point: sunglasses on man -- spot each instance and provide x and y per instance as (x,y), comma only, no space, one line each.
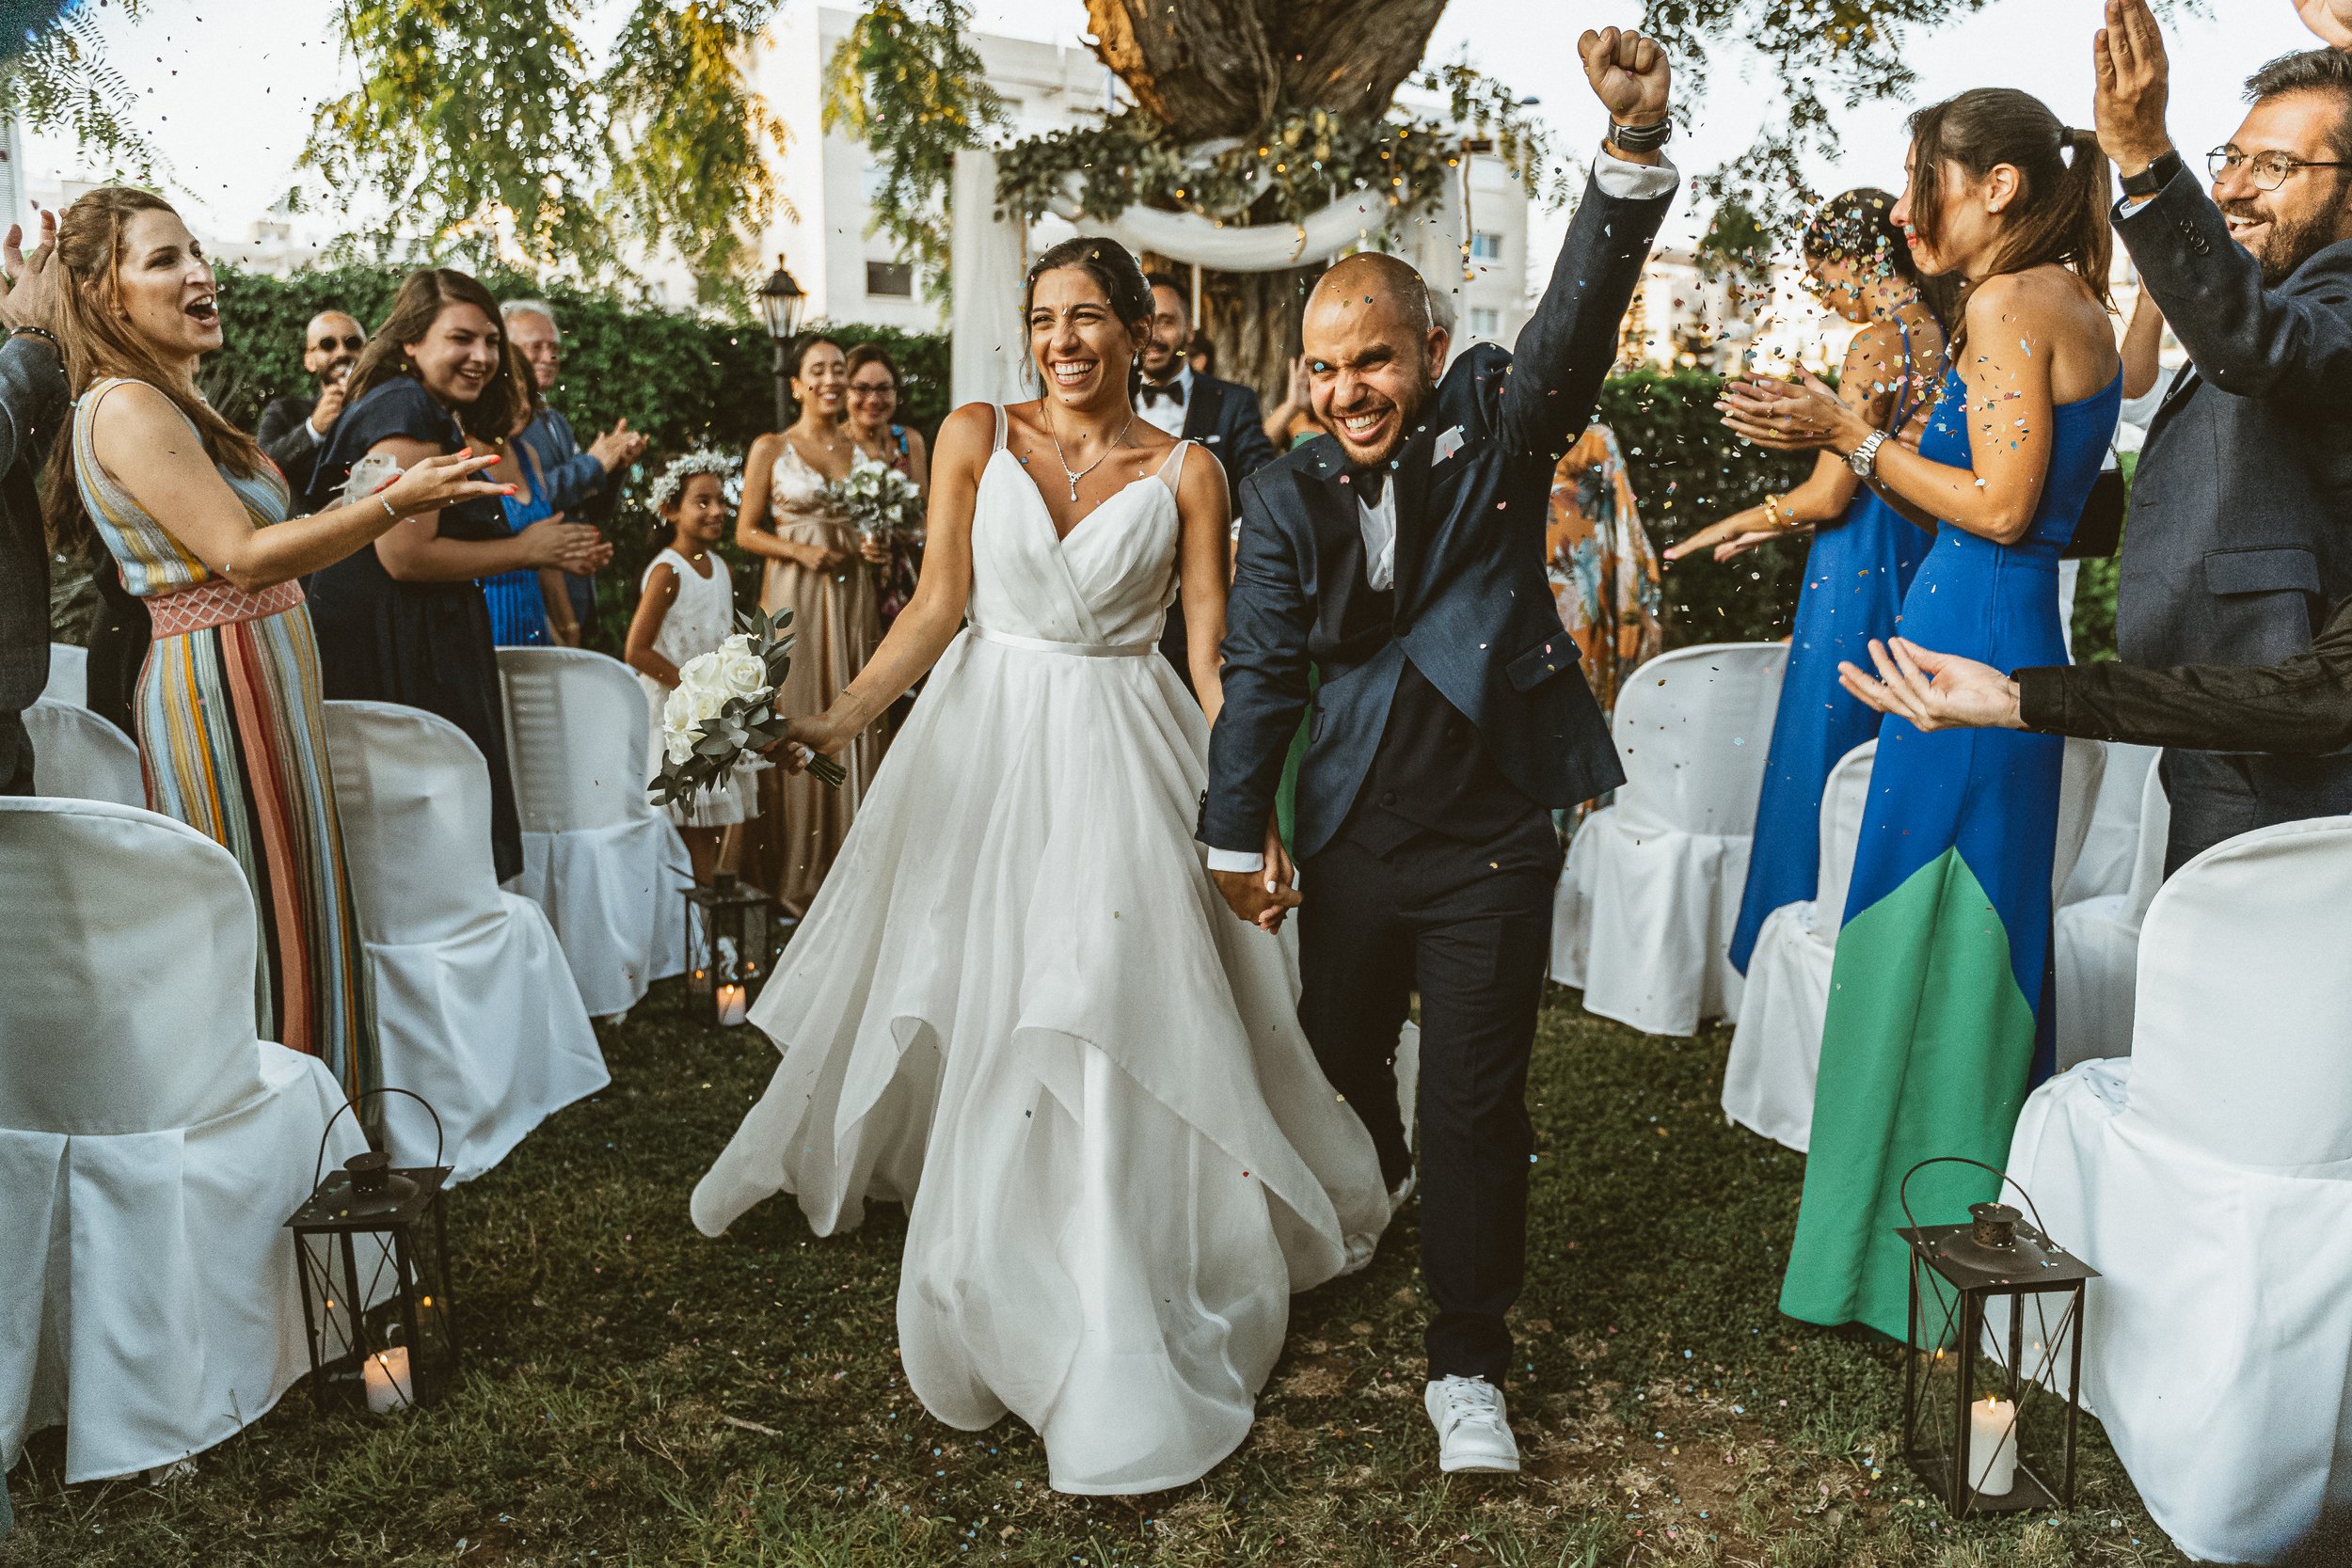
(349,345)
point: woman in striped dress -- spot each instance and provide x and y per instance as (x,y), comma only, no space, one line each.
(232,736)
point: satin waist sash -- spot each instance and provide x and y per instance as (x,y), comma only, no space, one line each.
(1071,650)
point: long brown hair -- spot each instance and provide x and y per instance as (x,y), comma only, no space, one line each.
(95,337)
(424,295)
(2061,213)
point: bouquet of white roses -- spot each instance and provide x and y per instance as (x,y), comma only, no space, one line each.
(881,503)
(723,709)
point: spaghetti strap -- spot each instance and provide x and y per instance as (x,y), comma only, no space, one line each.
(1171,471)
(1000,427)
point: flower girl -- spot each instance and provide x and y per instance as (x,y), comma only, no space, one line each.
(687,608)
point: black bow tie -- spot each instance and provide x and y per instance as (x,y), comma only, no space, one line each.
(1368,483)
(1173,392)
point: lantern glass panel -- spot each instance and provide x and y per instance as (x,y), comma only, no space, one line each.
(1992,1373)
(373,1262)
(730,946)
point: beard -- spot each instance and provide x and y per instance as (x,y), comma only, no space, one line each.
(2291,242)
(1409,409)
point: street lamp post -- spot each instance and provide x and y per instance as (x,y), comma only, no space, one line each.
(781,302)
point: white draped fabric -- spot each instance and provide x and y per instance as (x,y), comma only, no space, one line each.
(989,348)
(2208,1178)
(150,1147)
(475,1007)
(1777,1049)
(69,675)
(605,863)
(1020,1008)
(1646,901)
(79,755)
(2111,848)
(2097,938)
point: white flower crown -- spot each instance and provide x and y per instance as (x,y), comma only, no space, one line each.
(665,488)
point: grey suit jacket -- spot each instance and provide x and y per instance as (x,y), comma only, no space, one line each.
(2241,523)
(32,403)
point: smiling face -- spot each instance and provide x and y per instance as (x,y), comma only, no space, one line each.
(1371,363)
(1081,348)
(2284,228)
(1969,217)
(1171,332)
(699,513)
(541,344)
(459,353)
(330,344)
(873,397)
(167,293)
(822,385)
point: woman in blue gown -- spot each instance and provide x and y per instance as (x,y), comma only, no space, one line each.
(1862,553)
(1939,1015)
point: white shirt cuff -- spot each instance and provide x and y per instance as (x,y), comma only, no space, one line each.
(1635,181)
(1236,860)
(312,431)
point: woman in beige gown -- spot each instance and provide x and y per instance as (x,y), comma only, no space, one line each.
(813,569)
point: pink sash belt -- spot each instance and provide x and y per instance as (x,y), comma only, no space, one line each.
(218,603)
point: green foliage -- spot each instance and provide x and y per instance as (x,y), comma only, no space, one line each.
(1690,472)
(56,79)
(908,82)
(696,170)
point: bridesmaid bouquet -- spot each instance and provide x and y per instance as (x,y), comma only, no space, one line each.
(882,504)
(724,708)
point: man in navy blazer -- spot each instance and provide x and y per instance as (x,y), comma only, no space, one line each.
(1222,416)
(1403,556)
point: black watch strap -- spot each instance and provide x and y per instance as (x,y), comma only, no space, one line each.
(2148,181)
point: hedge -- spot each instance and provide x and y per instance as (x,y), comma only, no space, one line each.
(689,381)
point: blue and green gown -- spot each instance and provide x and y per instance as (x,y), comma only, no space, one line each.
(1939,1018)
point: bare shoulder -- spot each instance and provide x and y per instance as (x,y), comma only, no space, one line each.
(917,445)
(1203,480)
(2048,297)
(133,411)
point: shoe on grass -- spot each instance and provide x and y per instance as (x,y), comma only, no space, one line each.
(1473,1435)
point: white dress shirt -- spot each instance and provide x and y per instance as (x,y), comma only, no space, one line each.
(1168,416)
(1624,181)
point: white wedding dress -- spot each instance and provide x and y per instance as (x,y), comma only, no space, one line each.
(1020,1008)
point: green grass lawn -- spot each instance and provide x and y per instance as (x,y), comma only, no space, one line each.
(638,1395)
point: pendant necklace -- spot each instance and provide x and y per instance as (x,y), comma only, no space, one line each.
(1092,467)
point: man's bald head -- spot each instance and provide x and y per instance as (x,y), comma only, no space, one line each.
(330,343)
(1373,352)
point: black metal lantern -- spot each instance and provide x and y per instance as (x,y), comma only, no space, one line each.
(371,1257)
(781,302)
(730,944)
(1978,1403)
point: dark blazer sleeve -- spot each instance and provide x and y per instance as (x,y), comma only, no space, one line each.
(1247,450)
(1566,347)
(1267,619)
(573,476)
(2295,341)
(33,399)
(2300,706)
(285,435)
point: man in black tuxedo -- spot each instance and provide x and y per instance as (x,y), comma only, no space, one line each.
(1222,416)
(1403,556)
(293,428)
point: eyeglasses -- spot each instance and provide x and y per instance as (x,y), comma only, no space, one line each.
(873,389)
(350,345)
(2266,171)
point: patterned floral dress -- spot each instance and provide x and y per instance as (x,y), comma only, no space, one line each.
(232,741)
(1603,568)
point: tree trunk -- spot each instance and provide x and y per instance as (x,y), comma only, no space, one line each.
(1224,68)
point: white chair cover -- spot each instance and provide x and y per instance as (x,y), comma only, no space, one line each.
(69,675)
(78,755)
(1777,1049)
(150,1147)
(2112,847)
(2208,1177)
(2098,942)
(607,866)
(1650,892)
(475,1008)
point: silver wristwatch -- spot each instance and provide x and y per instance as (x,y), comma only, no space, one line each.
(1864,460)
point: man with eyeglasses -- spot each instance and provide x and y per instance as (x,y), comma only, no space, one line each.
(2240,534)
(295,428)
(584,486)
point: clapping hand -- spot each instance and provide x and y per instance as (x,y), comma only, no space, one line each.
(2134,84)
(1628,73)
(441,480)
(1735,536)
(1800,416)
(28,297)
(1935,691)
(618,448)
(2331,19)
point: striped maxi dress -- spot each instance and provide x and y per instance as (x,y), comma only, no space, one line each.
(232,741)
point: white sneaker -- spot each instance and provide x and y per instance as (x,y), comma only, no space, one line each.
(1472,1432)
(1403,1192)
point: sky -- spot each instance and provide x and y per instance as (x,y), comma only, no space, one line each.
(228,87)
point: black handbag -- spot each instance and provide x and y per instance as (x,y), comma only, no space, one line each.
(2100,533)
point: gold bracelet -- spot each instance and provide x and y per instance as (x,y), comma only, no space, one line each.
(1773,512)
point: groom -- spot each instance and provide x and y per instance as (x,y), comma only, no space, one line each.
(1403,556)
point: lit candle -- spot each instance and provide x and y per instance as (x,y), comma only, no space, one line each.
(387,1373)
(1993,1447)
(732,1005)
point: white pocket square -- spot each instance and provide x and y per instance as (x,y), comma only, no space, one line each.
(1449,443)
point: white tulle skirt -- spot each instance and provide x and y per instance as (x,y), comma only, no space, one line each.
(1020,1008)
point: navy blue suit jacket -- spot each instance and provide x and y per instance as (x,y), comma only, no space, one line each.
(1472,609)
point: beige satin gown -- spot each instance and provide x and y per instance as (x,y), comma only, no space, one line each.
(837,625)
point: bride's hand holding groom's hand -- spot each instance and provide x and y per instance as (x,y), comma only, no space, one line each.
(1262,897)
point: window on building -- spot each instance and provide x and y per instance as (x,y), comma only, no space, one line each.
(1486,322)
(1486,246)
(890,279)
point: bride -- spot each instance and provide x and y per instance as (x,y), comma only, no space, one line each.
(1019,1006)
